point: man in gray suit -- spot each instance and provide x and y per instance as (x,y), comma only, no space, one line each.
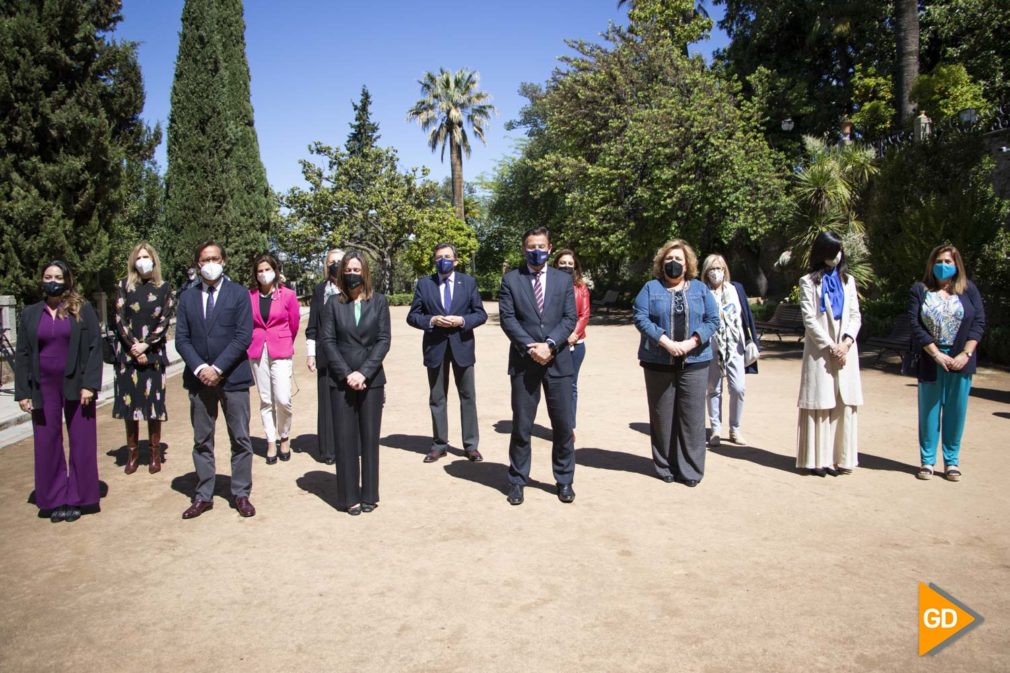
(212,332)
(536,306)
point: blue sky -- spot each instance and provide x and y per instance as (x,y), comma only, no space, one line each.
(309,59)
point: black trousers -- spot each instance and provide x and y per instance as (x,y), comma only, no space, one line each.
(526,386)
(357,417)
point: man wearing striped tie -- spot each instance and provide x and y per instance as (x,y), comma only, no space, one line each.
(536,306)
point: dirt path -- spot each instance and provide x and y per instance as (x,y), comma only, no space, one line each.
(757,569)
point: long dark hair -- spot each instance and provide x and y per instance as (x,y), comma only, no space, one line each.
(274,264)
(577,276)
(826,246)
(72,300)
(366,277)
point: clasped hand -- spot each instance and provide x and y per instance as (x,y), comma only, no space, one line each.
(839,352)
(448,321)
(680,348)
(541,353)
(951,364)
(138,349)
(209,377)
(356,381)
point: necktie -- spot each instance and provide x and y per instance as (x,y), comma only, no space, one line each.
(538,292)
(210,302)
(446,296)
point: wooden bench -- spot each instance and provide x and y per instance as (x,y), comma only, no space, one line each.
(899,340)
(787,319)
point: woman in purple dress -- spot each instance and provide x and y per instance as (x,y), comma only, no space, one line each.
(58,372)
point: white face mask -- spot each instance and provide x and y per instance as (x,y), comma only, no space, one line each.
(832,263)
(211,271)
(266,277)
(716,276)
(144,265)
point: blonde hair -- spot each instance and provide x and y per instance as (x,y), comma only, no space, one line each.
(959,283)
(133,276)
(711,261)
(690,259)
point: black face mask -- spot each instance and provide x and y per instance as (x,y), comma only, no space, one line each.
(334,269)
(567,269)
(54,288)
(673,269)
(352,280)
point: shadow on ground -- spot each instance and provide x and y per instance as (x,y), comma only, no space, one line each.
(492,475)
(321,484)
(504,427)
(605,459)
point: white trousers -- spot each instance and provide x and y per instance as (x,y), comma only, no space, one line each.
(736,371)
(826,437)
(273,381)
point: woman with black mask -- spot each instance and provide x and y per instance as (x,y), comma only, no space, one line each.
(677,316)
(58,373)
(354,335)
(316,360)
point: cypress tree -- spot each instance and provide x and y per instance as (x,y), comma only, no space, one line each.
(364,132)
(216,185)
(70,131)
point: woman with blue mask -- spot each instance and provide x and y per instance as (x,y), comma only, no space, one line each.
(948,320)
(830,387)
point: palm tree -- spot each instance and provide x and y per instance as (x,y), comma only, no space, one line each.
(906,34)
(448,100)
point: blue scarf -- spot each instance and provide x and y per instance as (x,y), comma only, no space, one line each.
(831,286)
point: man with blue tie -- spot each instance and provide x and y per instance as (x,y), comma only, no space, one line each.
(536,306)
(448,308)
(213,330)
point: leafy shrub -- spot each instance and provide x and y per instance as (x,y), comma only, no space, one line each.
(400,298)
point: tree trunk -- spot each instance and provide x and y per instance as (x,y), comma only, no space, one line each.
(906,34)
(456,161)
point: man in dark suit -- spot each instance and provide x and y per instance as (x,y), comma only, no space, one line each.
(447,306)
(537,310)
(212,332)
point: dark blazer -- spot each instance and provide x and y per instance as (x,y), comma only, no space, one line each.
(84,355)
(221,341)
(972,327)
(315,317)
(355,348)
(466,302)
(747,319)
(523,324)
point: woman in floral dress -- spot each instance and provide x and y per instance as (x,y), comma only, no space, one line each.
(144,305)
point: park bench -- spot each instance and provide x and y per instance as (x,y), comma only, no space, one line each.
(787,319)
(899,340)
(609,300)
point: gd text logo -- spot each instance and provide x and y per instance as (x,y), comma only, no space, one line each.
(942,619)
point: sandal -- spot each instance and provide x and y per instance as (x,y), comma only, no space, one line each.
(925,472)
(953,474)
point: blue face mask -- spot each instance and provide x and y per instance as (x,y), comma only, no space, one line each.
(537,257)
(944,271)
(443,265)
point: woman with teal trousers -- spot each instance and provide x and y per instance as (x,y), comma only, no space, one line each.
(948,320)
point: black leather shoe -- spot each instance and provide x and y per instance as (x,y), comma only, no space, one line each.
(354,510)
(271,460)
(516,494)
(669,478)
(58,514)
(566,493)
(285,456)
(73,513)
(819,472)
(330,460)
(690,483)
(367,507)
(434,455)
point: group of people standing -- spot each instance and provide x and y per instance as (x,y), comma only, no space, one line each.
(693,335)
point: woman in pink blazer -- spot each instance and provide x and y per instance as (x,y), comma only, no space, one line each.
(275,323)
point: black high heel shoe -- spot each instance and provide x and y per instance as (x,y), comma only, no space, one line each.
(285,456)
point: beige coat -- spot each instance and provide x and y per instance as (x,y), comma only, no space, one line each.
(820,372)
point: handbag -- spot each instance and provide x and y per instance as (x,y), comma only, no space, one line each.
(751,353)
(109,348)
(910,361)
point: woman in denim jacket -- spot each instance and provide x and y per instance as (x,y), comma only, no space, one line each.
(677,317)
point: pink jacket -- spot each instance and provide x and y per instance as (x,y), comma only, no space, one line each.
(280,329)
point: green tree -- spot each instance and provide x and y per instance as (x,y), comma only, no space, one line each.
(449,102)
(947,90)
(216,185)
(440,225)
(974,34)
(874,102)
(71,133)
(360,200)
(364,132)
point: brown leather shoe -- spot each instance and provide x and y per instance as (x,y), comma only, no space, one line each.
(244,507)
(473,455)
(131,460)
(434,455)
(197,508)
(156,449)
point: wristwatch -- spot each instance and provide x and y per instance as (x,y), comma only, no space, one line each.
(553,346)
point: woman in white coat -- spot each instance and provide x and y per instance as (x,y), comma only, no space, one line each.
(830,389)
